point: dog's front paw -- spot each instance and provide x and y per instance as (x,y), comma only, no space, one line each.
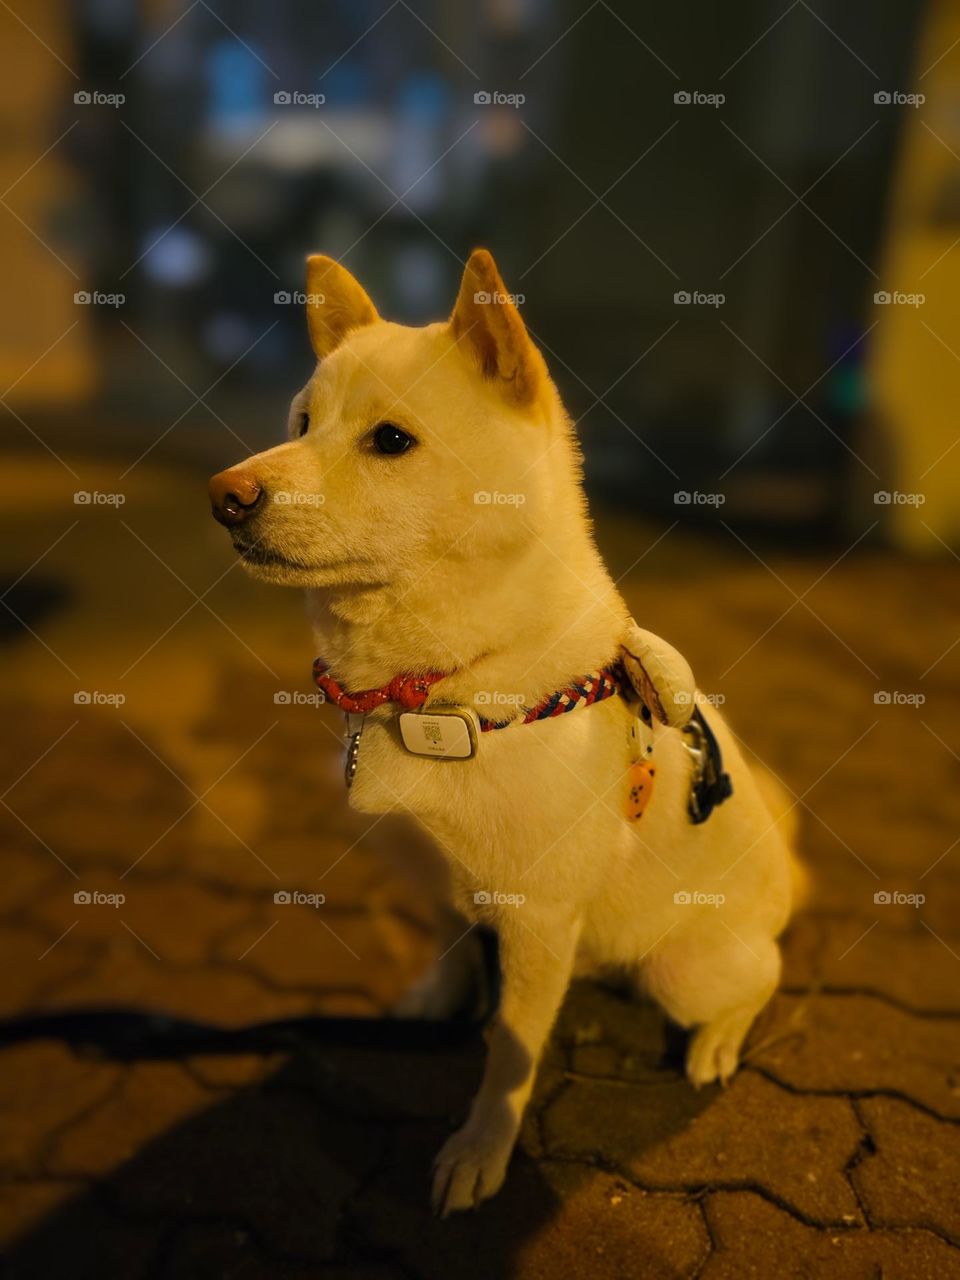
(468,1170)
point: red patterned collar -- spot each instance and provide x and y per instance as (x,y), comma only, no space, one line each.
(410,692)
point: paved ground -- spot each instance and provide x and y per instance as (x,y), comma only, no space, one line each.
(833,1153)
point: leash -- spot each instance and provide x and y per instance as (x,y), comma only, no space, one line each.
(141,1035)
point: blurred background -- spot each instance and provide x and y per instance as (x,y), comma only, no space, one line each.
(175,163)
(734,231)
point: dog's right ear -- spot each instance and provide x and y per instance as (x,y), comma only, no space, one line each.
(336,303)
(487,325)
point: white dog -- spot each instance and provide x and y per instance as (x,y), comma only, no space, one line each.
(429,499)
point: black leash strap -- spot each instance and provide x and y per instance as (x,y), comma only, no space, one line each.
(130,1035)
(134,1035)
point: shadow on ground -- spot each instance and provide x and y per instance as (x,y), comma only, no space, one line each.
(323,1167)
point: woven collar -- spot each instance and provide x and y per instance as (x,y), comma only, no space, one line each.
(410,692)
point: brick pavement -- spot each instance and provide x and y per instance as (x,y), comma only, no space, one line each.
(834,1152)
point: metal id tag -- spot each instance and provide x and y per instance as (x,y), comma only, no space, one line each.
(354,730)
(641,734)
(446,732)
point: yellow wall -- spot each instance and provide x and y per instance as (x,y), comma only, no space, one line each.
(915,366)
(36,105)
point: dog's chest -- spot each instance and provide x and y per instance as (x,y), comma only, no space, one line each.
(530,797)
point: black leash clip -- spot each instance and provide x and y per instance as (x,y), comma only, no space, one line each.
(709,785)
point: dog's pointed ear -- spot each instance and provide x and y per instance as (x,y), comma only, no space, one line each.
(336,303)
(488,328)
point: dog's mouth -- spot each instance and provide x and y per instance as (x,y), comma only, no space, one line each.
(256,555)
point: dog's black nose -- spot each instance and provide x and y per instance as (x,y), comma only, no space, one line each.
(234,495)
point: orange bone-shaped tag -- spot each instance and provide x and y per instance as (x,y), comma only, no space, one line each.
(640,780)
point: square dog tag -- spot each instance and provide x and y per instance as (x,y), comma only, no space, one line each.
(449,733)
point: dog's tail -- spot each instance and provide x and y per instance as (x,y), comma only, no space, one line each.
(784,812)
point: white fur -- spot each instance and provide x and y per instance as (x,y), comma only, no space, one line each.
(406,572)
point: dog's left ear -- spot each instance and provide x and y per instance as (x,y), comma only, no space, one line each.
(336,303)
(487,325)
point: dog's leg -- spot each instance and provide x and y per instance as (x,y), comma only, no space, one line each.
(716,986)
(536,959)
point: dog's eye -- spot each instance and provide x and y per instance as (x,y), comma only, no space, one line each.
(303,424)
(388,438)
